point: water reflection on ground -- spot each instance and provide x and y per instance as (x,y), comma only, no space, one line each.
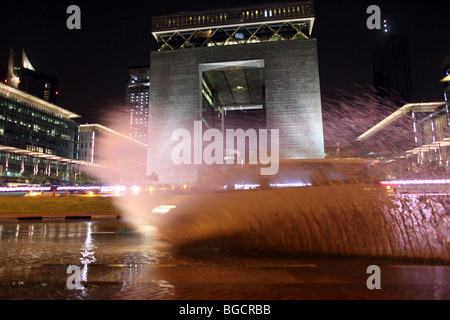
(77,243)
(117,262)
(43,251)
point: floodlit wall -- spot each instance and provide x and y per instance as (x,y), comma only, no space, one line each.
(292,98)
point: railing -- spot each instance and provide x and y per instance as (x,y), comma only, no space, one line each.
(248,14)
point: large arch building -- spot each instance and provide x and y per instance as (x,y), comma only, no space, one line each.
(246,67)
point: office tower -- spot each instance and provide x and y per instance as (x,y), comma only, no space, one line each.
(22,75)
(137,97)
(392,67)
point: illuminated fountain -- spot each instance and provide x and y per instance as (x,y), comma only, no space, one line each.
(355,217)
(352,219)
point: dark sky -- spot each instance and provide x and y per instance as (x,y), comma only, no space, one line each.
(92,63)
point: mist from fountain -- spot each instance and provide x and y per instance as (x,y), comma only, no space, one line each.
(354,218)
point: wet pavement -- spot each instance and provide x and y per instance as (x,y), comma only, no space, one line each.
(114,262)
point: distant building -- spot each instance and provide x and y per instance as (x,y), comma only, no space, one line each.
(21,75)
(90,134)
(392,68)
(36,137)
(415,139)
(116,152)
(137,98)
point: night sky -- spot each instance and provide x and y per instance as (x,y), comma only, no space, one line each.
(92,63)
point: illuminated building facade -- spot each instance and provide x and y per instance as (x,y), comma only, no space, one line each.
(36,137)
(244,67)
(416,136)
(137,97)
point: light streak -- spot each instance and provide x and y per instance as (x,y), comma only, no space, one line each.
(24,189)
(416,182)
(163,209)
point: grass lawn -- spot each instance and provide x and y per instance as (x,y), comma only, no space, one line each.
(9,205)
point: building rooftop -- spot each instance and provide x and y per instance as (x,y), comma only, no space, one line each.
(234,15)
(239,25)
(405,109)
(38,103)
(100,128)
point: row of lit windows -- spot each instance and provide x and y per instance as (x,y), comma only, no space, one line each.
(23,125)
(139,93)
(38,149)
(18,157)
(226,17)
(28,110)
(31,124)
(28,129)
(139,121)
(142,79)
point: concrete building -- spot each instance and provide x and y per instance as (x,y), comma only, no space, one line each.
(244,67)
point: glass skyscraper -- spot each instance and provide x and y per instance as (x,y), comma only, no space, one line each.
(137,97)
